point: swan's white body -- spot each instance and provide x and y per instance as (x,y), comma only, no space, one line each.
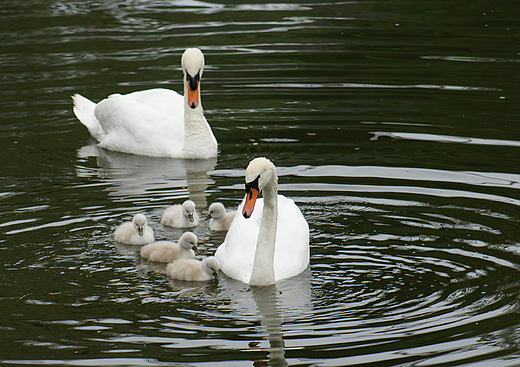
(181,216)
(220,220)
(193,270)
(166,251)
(156,122)
(136,232)
(273,243)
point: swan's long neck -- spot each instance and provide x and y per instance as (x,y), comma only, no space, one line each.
(263,265)
(198,136)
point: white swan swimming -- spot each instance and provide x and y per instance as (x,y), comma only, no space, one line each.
(269,239)
(181,216)
(193,270)
(220,220)
(136,232)
(166,251)
(155,122)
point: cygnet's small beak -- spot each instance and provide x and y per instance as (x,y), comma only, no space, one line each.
(208,217)
(140,231)
(190,217)
(195,249)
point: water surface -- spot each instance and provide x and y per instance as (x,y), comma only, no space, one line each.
(393,126)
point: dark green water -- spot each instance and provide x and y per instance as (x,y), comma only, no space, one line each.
(393,124)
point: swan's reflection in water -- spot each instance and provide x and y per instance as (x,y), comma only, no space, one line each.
(266,299)
(287,299)
(137,178)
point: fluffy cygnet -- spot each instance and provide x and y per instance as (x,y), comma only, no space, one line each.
(193,270)
(220,220)
(166,251)
(136,232)
(181,216)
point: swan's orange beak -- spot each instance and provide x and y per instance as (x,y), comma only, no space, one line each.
(193,97)
(193,89)
(249,205)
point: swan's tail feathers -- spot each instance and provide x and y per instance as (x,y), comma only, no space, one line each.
(84,110)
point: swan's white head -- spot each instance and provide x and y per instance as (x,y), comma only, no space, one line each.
(189,241)
(259,173)
(216,211)
(192,63)
(139,222)
(188,208)
(211,265)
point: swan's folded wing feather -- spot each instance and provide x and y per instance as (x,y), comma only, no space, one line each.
(133,127)
(237,253)
(291,251)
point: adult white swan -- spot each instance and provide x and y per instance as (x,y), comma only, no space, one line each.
(154,122)
(270,240)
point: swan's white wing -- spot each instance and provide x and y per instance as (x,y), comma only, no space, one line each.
(237,252)
(291,252)
(145,123)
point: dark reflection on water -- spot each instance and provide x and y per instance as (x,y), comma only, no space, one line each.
(393,127)
(132,178)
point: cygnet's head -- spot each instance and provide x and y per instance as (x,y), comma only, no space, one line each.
(139,222)
(188,209)
(216,211)
(211,265)
(189,241)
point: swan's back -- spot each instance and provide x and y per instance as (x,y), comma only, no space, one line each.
(291,254)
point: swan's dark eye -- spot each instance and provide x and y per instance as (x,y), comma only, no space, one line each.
(252,185)
(193,80)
